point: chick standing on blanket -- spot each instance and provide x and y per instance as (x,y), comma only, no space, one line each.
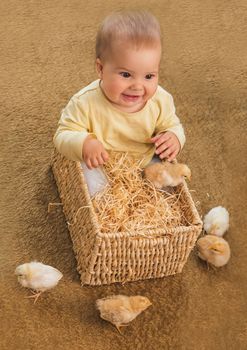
(37,277)
(167,174)
(215,250)
(216,221)
(121,309)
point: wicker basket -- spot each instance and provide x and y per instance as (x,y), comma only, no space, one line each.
(120,256)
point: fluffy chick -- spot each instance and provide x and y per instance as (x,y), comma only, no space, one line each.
(215,250)
(216,221)
(121,309)
(167,174)
(37,277)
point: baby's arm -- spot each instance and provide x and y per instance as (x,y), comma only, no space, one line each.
(72,130)
(72,138)
(169,136)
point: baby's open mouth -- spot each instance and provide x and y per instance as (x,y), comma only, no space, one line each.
(131,97)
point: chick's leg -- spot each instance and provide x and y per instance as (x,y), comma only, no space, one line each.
(120,325)
(35,295)
(118,328)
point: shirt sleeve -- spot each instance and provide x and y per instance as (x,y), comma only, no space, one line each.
(73,128)
(168,121)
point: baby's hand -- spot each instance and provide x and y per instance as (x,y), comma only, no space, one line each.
(93,153)
(167,145)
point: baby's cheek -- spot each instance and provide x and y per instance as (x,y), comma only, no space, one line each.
(117,83)
(118,87)
(150,92)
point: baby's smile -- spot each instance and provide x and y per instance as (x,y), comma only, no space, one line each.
(131,98)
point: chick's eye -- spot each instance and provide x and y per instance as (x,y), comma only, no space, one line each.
(149,76)
(125,74)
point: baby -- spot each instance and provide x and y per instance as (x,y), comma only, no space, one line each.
(125,109)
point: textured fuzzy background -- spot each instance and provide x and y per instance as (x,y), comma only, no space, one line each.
(47,54)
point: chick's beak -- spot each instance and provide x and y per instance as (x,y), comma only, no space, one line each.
(187,178)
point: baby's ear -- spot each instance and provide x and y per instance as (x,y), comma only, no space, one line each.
(99,67)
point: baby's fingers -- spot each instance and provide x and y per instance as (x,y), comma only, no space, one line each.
(88,163)
(168,152)
(164,146)
(101,160)
(155,138)
(105,156)
(162,139)
(165,154)
(92,162)
(173,153)
(172,156)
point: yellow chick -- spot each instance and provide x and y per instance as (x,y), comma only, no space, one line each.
(215,250)
(121,309)
(216,221)
(167,174)
(37,277)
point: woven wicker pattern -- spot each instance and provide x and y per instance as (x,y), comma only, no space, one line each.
(120,256)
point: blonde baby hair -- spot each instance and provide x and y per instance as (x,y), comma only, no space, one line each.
(139,28)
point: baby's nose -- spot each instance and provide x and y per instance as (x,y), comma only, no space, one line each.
(136,86)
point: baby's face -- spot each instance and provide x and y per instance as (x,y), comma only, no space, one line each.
(130,76)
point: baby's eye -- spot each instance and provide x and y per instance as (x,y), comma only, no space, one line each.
(149,76)
(125,74)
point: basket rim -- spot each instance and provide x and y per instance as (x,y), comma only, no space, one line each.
(151,233)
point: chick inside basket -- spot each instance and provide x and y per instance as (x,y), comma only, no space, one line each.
(131,203)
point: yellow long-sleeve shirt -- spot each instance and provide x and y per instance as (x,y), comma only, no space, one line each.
(89,112)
